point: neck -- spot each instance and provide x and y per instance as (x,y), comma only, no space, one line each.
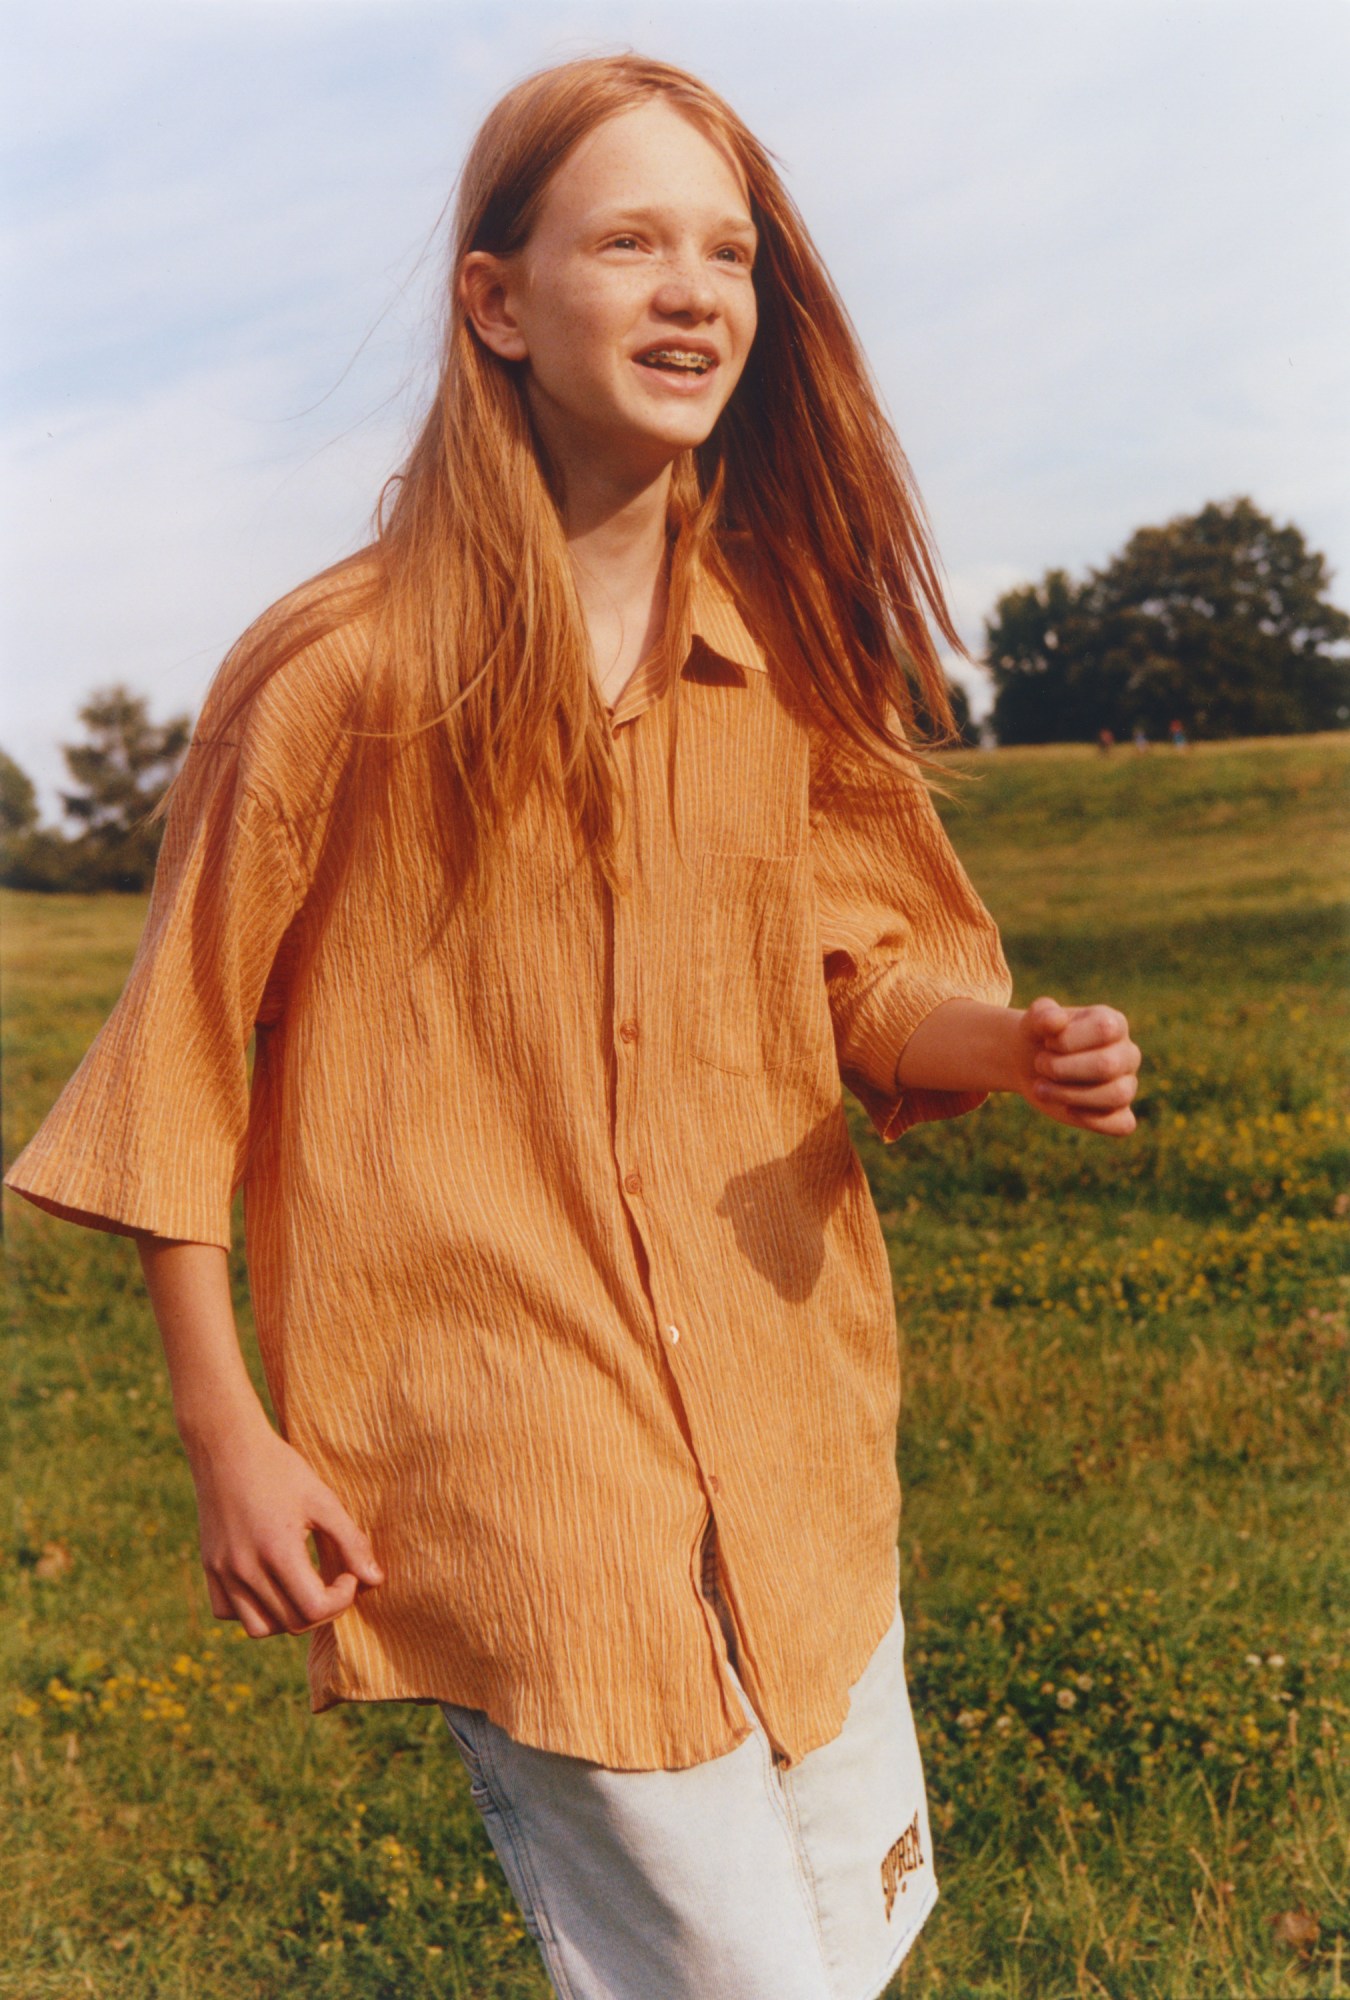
(614,509)
(616,535)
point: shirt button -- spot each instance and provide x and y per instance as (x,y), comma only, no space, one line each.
(628,1031)
(633,1183)
(674,1333)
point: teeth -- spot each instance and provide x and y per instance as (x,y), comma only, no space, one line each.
(678,357)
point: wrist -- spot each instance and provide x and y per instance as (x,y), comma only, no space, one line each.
(967,1045)
(218,1421)
(1015,1057)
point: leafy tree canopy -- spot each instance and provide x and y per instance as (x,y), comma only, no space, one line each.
(121,772)
(18,798)
(31,857)
(1219,620)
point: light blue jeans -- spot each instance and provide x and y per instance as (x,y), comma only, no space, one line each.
(732,1878)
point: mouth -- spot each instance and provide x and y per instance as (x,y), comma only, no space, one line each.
(671,359)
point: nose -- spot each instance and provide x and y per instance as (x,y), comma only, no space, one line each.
(686,290)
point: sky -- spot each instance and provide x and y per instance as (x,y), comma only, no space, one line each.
(1098,254)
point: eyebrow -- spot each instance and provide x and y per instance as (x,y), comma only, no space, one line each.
(612,218)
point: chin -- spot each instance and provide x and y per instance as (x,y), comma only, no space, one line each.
(676,436)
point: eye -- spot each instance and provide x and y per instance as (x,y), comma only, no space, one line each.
(623,243)
(734,252)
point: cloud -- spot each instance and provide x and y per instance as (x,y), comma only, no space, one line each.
(1095,253)
(152,593)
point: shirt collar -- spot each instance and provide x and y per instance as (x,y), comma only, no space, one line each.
(717,622)
(718,636)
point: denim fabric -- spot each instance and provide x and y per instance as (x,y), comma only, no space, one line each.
(728,1880)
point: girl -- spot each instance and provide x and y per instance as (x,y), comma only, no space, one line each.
(561,852)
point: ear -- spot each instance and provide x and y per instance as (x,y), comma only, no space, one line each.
(485,292)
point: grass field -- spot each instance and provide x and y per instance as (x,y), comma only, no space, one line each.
(1125,1540)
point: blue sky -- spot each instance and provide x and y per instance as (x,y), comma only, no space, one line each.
(1097,253)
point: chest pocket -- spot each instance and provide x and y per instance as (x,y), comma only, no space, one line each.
(759,986)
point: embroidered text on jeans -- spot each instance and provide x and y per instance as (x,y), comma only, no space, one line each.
(901,1859)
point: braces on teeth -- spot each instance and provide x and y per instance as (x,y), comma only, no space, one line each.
(679,357)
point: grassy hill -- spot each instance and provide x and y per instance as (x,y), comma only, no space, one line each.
(1123,1450)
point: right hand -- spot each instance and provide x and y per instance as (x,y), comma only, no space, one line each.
(257,1499)
(1081,1066)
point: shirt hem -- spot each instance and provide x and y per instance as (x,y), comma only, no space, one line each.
(330,1685)
(324,1698)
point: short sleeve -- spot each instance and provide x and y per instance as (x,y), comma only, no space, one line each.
(901,931)
(150,1132)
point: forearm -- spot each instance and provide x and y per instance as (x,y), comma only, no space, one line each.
(967,1045)
(189,1287)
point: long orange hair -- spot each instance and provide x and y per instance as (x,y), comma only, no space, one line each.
(480,659)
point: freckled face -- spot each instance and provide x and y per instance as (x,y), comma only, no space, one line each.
(633,297)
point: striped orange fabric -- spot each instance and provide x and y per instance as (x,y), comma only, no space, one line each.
(557,1239)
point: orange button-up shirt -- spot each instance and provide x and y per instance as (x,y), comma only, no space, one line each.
(556,1235)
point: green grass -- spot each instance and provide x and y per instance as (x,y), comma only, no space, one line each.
(1123,1449)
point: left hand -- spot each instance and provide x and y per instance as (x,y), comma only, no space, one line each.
(1079,1066)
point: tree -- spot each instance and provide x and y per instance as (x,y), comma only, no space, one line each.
(1218,620)
(1031,648)
(30,857)
(967,732)
(122,773)
(18,799)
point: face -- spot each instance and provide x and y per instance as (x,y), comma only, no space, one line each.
(632,305)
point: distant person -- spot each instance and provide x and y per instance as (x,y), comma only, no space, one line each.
(1141,742)
(1106,741)
(564,848)
(1177,732)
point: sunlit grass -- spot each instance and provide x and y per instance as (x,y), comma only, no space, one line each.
(1123,1447)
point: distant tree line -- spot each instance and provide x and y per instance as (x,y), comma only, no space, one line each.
(1218,621)
(120,773)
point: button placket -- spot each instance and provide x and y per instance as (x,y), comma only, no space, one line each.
(627,1029)
(624,1022)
